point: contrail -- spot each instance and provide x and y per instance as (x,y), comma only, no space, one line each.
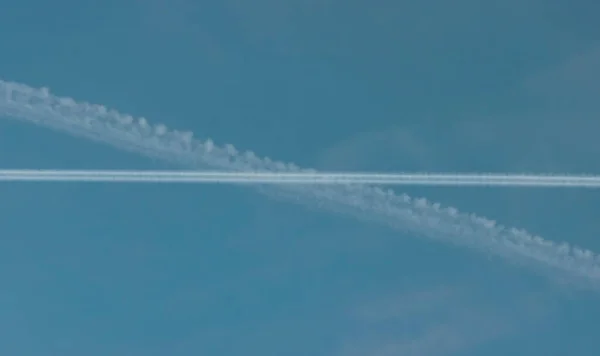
(364,202)
(321,178)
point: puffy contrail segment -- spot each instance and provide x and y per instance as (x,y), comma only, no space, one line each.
(364,202)
(321,178)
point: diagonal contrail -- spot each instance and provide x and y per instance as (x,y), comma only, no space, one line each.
(364,202)
(320,178)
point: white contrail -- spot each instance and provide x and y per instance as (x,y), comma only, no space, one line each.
(361,201)
(321,178)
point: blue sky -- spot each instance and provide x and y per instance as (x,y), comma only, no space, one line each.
(185,270)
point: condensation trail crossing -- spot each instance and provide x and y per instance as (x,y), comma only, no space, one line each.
(320,178)
(361,201)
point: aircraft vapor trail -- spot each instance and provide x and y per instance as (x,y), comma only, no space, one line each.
(364,202)
(320,178)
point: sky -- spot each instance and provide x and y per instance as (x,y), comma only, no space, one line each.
(146,270)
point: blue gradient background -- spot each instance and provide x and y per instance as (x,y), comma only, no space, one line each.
(219,270)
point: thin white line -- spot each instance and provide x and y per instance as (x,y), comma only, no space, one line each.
(323,178)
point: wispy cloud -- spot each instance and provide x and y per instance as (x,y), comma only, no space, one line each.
(573,84)
(170,21)
(439,321)
(407,304)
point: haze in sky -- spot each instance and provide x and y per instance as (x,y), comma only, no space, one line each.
(101,269)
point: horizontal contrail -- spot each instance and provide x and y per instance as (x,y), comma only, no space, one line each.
(365,202)
(219,177)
